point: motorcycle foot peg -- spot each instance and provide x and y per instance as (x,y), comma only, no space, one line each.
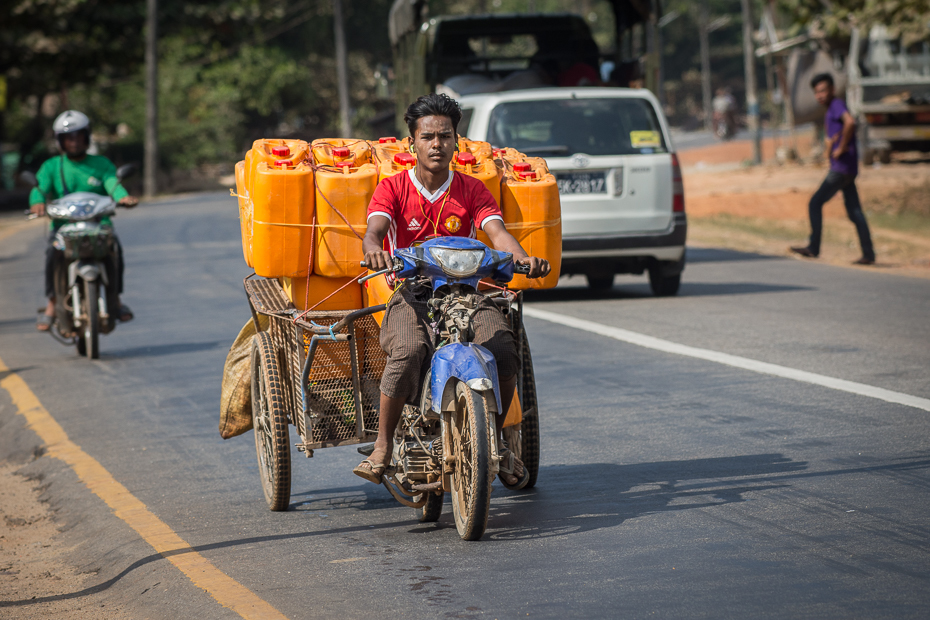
(367,449)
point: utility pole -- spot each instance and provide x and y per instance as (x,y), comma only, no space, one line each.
(752,101)
(150,167)
(342,70)
(703,36)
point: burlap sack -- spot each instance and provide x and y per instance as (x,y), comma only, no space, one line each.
(236,400)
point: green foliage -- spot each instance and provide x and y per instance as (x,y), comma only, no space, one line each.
(909,18)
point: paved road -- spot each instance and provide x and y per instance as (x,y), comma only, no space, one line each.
(670,487)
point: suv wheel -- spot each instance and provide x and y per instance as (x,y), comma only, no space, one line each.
(600,283)
(663,286)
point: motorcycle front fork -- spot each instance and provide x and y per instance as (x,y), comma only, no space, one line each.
(76,302)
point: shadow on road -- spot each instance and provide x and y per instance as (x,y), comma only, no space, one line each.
(688,289)
(569,499)
(721,255)
(156,350)
(13,326)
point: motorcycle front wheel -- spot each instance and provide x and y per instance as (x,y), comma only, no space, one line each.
(88,342)
(471,476)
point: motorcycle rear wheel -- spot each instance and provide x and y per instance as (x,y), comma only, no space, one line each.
(88,342)
(471,476)
(270,423)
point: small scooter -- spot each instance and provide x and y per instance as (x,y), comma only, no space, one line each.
(85,305)
(450,441)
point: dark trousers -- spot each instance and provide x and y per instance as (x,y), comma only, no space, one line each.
(846,183)
(114,266)
(405,338)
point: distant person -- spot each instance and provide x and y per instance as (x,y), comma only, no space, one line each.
(76,171)
(840,144)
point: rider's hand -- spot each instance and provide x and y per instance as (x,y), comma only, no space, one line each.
(38,209)
(128,201)
(378,260)
(839,151)
(539,267)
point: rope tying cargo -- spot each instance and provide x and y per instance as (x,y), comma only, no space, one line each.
(336,292)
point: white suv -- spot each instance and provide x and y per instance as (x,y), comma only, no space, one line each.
(623,207)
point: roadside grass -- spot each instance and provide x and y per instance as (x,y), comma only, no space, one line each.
(900,240)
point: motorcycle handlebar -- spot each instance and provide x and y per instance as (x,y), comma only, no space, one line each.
(517,267)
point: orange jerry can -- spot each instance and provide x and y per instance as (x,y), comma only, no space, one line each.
(484,170)
(385,148)
(533,215)
(270,151)
(282,220)
(399,162)
(481,150)
(317,293)
(333,151)
(342,196)
(245,212)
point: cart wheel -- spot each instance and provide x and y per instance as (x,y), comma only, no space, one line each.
(471,477)
(271,425)
(523,438)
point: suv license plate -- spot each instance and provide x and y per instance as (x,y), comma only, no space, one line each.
(582,182)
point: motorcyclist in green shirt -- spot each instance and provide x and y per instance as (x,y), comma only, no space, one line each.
(76,171)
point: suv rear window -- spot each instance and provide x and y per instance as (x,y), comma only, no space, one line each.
(562,127)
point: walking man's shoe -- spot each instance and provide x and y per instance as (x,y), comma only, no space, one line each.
(865,261)
(804,251)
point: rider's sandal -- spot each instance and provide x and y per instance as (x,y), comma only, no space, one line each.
(44,322)
(125,314)
(506,466)
(371,473)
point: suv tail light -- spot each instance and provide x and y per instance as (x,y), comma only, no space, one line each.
(678,187)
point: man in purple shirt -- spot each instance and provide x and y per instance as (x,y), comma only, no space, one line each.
(840,143)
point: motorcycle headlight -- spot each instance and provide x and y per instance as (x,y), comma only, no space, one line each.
(459,263)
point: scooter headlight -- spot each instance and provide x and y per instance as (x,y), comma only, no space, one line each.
(458,263)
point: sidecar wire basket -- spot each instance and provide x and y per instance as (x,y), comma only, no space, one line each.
(342,377)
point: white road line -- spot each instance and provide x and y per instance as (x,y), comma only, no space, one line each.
(730,360)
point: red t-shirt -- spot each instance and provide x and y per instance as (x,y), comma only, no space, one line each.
(464,210)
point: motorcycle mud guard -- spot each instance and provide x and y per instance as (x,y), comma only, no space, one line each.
(88,270)
(466,362)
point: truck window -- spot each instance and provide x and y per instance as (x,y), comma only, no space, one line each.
(465,122)
(562,127)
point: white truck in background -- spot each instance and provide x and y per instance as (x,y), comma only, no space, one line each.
(888,92)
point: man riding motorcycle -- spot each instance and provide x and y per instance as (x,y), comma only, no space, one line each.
(76,171)
(430,201)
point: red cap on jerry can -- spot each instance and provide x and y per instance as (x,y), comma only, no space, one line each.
(341,151)
(465,159)
(284,163)
(383,140)
(280,151)
(344,164)
(404,159)
(528,174)
(522,166)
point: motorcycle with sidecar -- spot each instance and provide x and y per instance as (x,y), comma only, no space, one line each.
(321,371)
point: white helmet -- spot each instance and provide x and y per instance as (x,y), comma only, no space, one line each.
(70,121)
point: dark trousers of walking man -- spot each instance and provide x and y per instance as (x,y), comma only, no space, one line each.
(839,182)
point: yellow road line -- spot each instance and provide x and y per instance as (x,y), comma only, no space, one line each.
(127,507)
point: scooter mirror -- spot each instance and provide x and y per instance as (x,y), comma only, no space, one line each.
(126,171)
(29,178)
